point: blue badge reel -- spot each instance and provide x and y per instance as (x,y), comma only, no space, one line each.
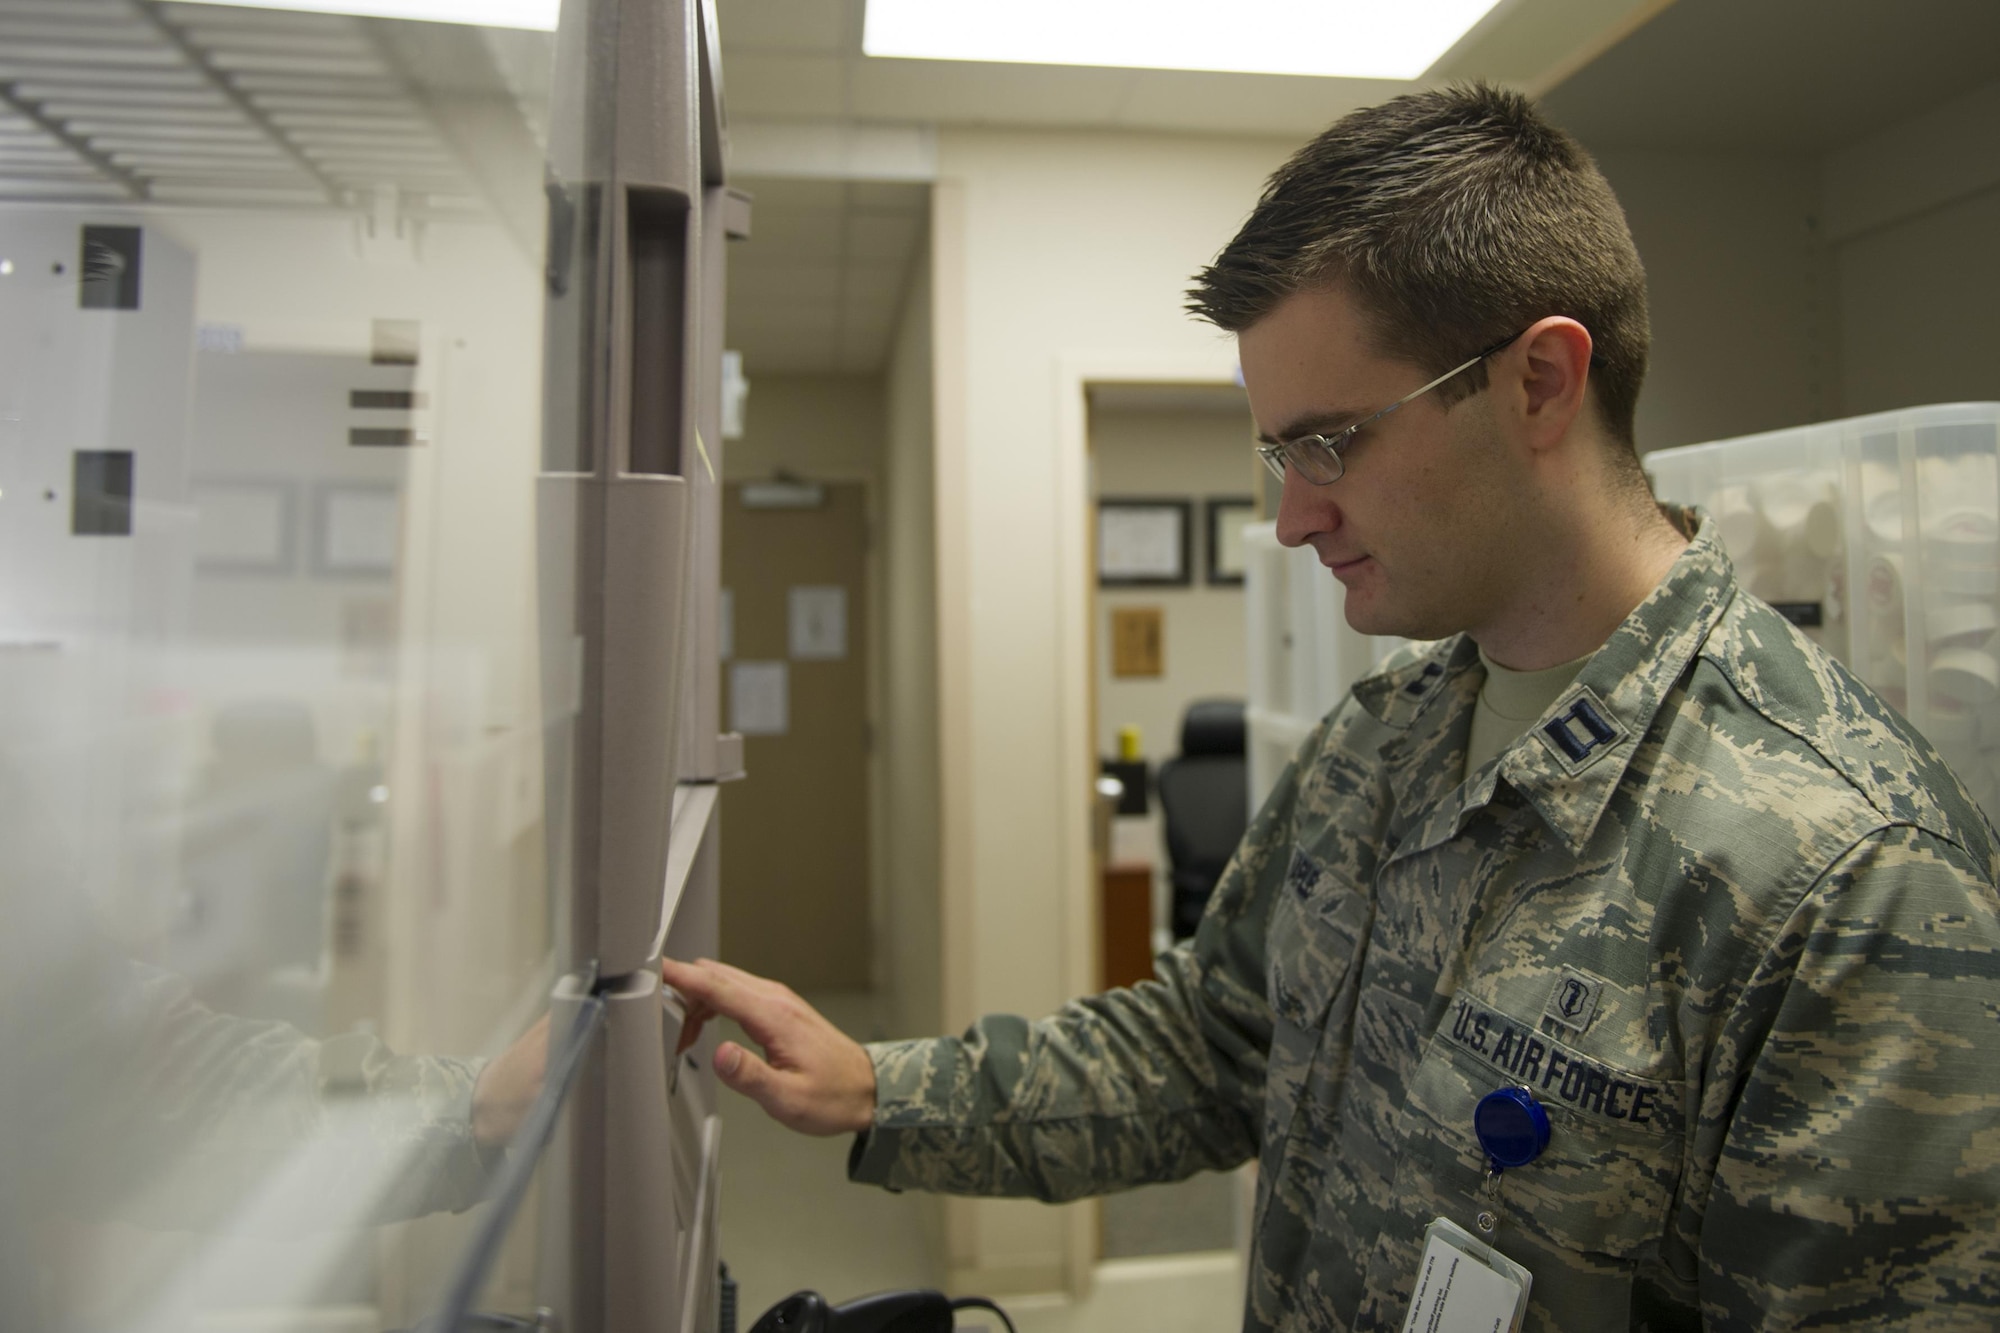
(1511,1127)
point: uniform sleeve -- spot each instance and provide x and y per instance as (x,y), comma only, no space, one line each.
(231,1122)
(1131,1087)
(1858,1182)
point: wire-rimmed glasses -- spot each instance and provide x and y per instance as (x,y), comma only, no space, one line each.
(1317,458)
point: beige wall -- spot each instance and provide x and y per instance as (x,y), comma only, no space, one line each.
(825,427)
(1804,287)
(1920,309)
(1740,292)
(1177,455)
(1911,209)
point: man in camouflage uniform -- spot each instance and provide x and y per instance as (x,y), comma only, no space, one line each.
(1724,914)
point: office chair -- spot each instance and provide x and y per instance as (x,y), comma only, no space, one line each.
(1204,804)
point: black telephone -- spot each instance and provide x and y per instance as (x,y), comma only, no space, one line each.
(884,1312)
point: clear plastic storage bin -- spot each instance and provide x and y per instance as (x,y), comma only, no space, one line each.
(1303,655)
(1880,537)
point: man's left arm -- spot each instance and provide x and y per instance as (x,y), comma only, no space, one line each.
(1859,1175)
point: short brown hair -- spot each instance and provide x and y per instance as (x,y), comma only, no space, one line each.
(1456,217)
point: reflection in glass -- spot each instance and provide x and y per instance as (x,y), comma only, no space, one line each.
(271,720)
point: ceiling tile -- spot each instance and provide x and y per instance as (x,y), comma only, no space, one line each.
(787,283)
(790,238)
(785,352)
(823,326)
(874,284)
(879,238)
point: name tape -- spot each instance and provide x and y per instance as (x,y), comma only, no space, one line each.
(1554,1071)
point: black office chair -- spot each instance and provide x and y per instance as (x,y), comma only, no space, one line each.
(1204,802)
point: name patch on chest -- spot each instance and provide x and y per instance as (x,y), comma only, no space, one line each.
(1557,1073)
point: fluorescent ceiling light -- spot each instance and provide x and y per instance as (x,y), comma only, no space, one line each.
(487,13)
(1360,39)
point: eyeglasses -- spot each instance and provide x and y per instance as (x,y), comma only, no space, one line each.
(1318,458)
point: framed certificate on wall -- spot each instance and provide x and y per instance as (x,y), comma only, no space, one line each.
(1226,518)
(1143,543)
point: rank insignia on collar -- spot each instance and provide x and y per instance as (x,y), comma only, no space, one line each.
(1583,732)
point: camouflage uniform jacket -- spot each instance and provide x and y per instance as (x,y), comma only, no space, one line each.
(1728,916)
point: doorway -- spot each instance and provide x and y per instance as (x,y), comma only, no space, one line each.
(1172,481)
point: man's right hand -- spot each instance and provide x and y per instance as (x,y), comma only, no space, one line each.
(813,1078)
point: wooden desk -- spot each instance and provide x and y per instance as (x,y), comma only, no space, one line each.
(1128,923)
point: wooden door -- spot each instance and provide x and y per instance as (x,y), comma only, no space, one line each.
(795,838)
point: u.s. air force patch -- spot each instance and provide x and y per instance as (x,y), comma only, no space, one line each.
(1556,1072)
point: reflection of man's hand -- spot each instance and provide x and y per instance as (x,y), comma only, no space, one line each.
(813,1077)
(508,1086)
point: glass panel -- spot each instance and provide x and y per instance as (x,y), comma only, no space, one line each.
(274,849)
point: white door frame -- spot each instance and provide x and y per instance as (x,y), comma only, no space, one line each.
(1080,927)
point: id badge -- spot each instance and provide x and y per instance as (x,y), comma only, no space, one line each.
(1465,1285)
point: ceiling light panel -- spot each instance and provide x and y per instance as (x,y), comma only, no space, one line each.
(541,14)
(1361,39)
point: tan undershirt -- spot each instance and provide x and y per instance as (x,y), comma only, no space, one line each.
(1510,702)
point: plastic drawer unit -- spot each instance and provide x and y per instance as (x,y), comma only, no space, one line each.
(1879,536)
(1303,655)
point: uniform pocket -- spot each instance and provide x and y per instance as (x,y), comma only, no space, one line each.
(1599,1191)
